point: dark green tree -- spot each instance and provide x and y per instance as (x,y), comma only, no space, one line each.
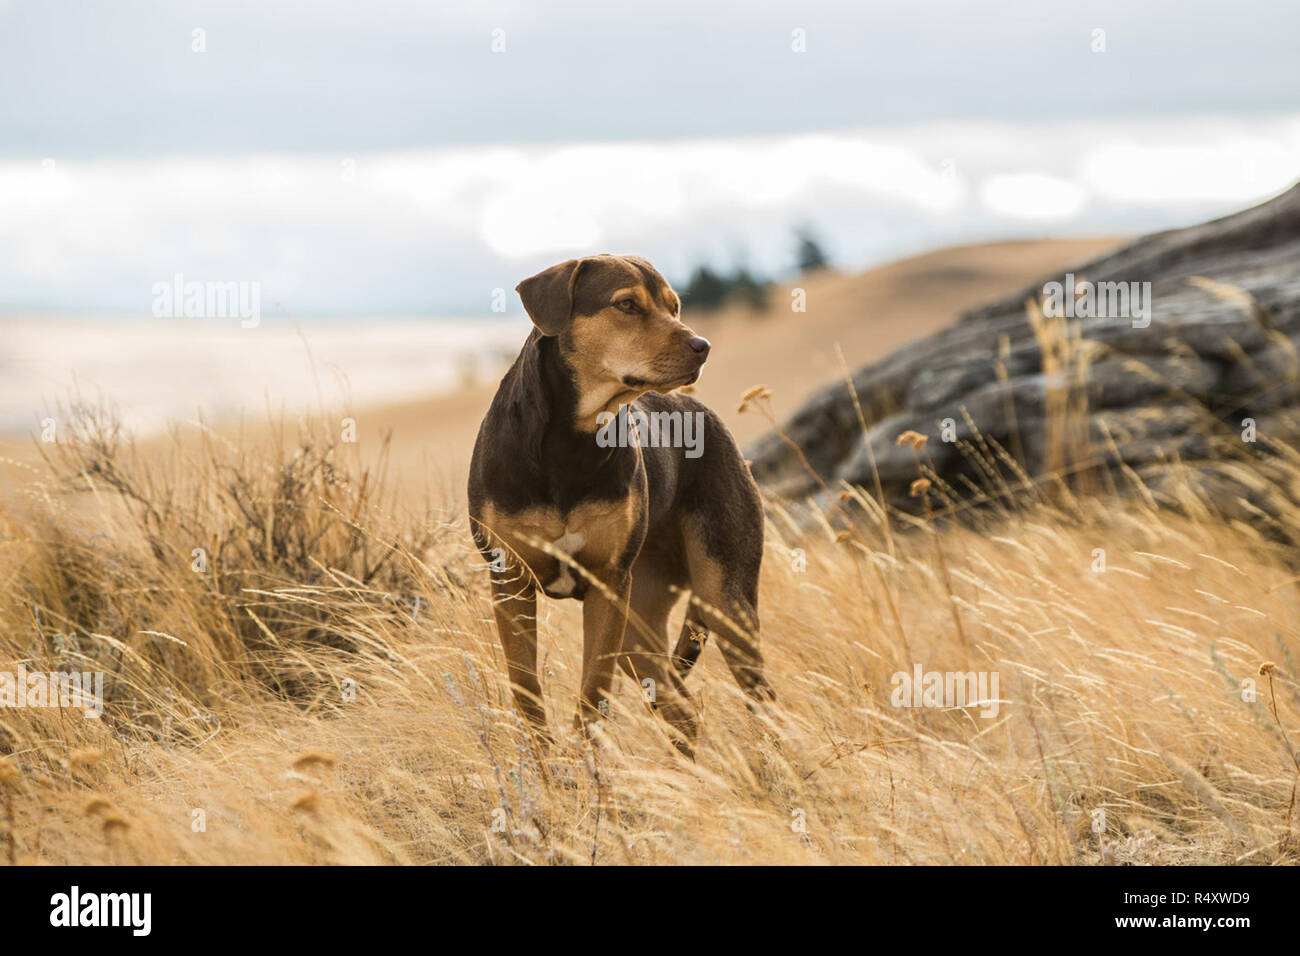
(706,290)
(709,290)
(749,290)
(810,254)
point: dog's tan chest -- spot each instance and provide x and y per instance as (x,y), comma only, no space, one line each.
(594,534)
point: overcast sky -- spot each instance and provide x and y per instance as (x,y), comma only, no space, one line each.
(381,156)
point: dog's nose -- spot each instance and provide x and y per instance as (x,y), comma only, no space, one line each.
(699,343)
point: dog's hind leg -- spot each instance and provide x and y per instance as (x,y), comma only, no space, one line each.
(645,656)
(690,641)
(724,603)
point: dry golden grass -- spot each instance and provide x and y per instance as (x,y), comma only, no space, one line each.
(329,688)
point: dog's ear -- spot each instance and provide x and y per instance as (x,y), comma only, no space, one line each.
(548,296)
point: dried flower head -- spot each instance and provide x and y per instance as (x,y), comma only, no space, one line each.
(306,803)
(913,438)
(756,394)
(1267,668)
(919,487)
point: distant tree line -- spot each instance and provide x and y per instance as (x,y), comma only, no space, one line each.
(709,289)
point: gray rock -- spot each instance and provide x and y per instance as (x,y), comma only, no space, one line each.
(1155,390)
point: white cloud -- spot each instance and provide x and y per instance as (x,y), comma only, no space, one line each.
(1236,170)
(384,231)
(1032,196)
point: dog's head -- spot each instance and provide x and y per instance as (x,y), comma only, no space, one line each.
(616,320)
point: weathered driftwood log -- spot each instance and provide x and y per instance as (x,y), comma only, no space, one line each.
(1174,386)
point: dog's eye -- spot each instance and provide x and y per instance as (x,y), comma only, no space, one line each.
(626,305)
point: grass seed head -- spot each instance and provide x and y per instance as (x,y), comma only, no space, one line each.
(314,758)
(83,759)
(97,805)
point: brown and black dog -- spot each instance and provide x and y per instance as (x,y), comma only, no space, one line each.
(635,520)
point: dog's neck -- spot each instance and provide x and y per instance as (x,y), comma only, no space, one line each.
(575,396)
(598,398)
(549,409)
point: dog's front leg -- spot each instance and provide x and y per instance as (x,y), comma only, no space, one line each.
(514,604)
(604,619)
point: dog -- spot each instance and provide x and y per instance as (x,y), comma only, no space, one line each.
(559,502)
